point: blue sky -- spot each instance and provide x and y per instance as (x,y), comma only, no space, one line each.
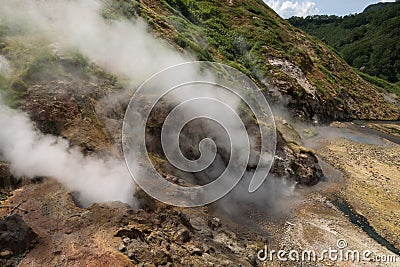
(302,8)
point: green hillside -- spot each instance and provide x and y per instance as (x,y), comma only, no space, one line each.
(291,67)
(369,40)
(251,37)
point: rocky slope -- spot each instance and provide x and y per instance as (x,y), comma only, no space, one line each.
(288,64)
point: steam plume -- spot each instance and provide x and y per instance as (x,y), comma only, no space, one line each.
(31,154)
(122,47)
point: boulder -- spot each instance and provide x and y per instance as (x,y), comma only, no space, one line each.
(16,238)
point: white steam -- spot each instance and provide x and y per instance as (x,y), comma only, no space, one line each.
(276,198)
(32,154)
(121,46)
(5,69)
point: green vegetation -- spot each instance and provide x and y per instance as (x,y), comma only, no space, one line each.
(380,83)
(367,41)
(246,35)
(33,62)
(43,66)
(115,9)
(328,74)
(9,96)
(214,31)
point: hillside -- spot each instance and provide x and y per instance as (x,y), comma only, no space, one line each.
(248,35)
(377,6)
(368,41)
(288,65)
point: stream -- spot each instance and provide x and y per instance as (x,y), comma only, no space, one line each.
(362,127)
(359,132)
(362,222)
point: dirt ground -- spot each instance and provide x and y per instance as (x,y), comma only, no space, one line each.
(372,182)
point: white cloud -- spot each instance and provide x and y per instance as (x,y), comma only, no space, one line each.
(287,9)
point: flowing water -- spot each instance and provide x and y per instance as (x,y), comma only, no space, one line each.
(362,222)
(362,127)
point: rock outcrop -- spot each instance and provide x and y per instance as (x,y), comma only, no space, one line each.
(292,160)
(16,238)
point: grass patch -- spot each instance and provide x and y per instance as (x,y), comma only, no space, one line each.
(9,96)
(43,66)
(328,74)
(393,88)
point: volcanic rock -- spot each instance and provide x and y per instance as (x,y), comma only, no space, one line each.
(16,237)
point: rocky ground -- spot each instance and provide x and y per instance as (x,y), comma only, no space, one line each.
(115,235)
(387,128)
(372,184)
(159,235)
